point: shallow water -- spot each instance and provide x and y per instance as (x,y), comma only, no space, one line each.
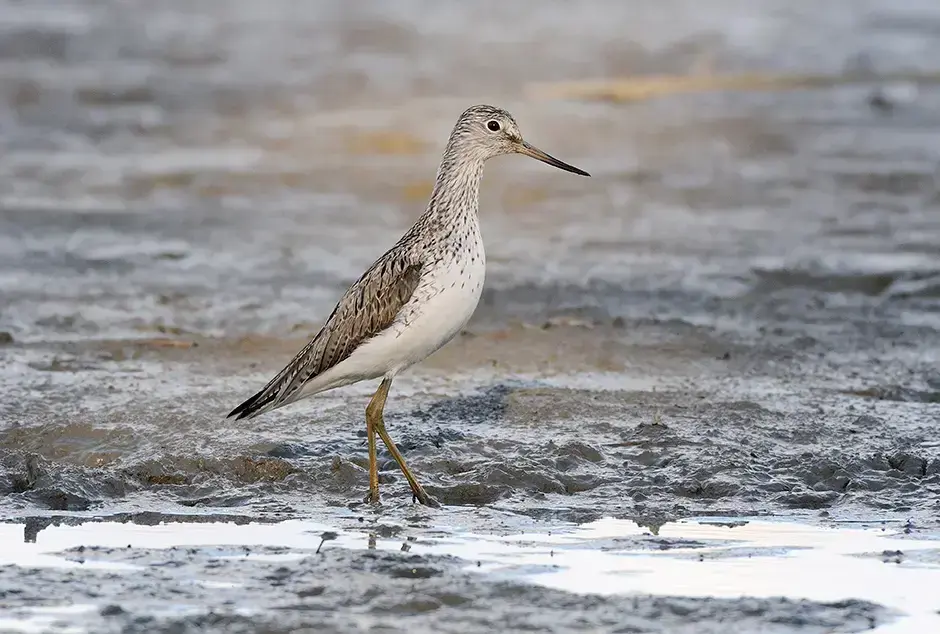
(737,316)
(602,574)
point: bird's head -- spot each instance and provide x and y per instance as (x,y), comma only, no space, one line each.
(483,132)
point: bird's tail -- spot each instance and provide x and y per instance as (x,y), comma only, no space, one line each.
(284,388)
(265,400)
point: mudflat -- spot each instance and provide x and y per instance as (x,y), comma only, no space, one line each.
(701,392)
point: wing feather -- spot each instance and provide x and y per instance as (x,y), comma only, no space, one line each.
(367,308)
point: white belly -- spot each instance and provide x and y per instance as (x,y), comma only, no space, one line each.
(438,309)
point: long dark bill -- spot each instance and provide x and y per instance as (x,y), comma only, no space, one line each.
(534,152)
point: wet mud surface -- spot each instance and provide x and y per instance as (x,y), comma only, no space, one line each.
(738,315)
(390,591)
(397,577)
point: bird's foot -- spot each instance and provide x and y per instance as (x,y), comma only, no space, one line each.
(372,497)
(419,495)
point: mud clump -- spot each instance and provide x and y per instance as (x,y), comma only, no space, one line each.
(180,470)
(251,470)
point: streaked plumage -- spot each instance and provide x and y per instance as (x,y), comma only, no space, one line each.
(369,307)
(414,298)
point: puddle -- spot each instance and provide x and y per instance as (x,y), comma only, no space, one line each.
(696,558)
(43,619)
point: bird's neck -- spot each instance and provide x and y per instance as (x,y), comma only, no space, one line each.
(457,188)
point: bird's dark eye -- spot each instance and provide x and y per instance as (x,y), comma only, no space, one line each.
(493,125)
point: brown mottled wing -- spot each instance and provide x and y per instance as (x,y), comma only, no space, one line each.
(368,307)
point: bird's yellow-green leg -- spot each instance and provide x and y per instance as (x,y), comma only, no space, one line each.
(373,411)
(377,424)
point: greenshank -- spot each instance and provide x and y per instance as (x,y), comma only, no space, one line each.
(414,298)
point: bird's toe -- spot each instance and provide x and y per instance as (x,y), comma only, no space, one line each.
(424,498)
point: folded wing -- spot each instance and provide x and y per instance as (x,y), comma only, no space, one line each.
(368,307)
